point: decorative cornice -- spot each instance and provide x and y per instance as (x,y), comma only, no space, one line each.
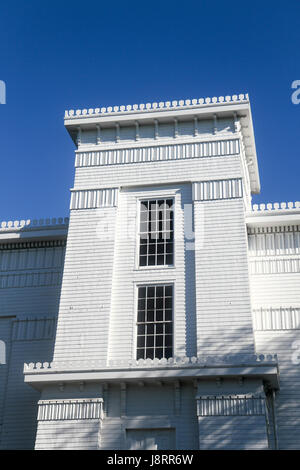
(275,206)
(33,245)
(161,106)
(219,189)
(235,107)
(33,224)
(274,229)
(232,405)
(94,198)
(146,153)
(201,361)
(61,410)
(285,213)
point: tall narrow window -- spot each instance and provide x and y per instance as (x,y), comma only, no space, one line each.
(155,322)
(157,233)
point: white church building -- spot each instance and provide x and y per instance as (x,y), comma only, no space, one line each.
(165,313)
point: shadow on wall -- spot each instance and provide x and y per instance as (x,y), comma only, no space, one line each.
(286,344)
(20,411)
(228,433)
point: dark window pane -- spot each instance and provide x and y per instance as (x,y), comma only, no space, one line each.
(140,341)
(150,353)
(168,328)
(168,352)
(142,292)
(150,291)
(159,353)
(143,250)
(141,329)
(160,248)
(143,260)
(159,315)
(159,303)
(169,247)
(150,341)
(141,316)
(169,259)
(152,247)
(168,340)
(151,260)
(160,260)
(140,354)
(168,291)
(150,315)
(159,329)
(159,291)
(159,340)
(150,329)
(168,315)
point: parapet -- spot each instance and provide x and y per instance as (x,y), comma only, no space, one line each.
(161,106)
(10,231)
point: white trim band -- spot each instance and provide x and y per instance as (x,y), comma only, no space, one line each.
(94,198)
(220,189)
(58,410)
(240,405)
(281,318)
(157,153)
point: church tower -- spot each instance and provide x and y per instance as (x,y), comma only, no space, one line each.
(154,345)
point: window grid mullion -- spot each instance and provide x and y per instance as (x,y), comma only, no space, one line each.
(152,348)
(160,236)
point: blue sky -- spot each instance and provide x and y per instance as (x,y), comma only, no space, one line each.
(57,55)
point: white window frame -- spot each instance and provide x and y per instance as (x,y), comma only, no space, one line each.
(166,282)
(154,197)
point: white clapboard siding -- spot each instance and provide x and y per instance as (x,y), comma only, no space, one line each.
(31,328)
(30,279)
(85,300)
(233,433)
(286,345)
(275,280)
(224,321)
(20,423)
(166,171)
(68,435)
(32,258)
